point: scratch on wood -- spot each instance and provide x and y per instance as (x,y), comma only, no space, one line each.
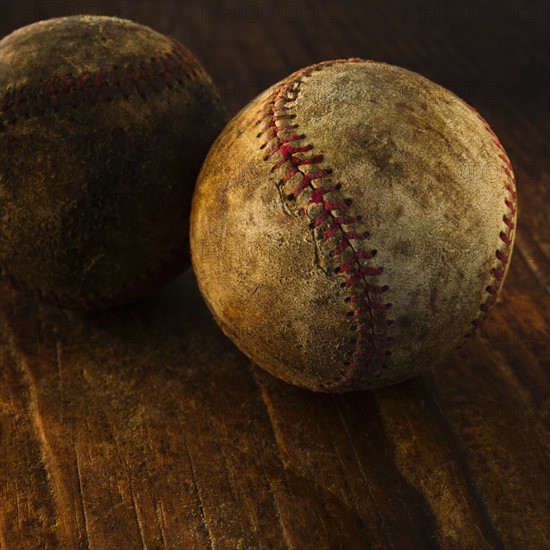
(272,493)
(535,259)
(267,407)
(159,514)
(226,470)
(131,491)
(54,475)
(81,495)
(136,514)
(197,492)
(60,379)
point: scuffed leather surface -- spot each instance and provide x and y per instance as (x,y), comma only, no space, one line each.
(425,175)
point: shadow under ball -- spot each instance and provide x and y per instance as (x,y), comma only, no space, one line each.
(104,124)
(353,225)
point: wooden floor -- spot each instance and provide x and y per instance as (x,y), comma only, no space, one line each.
(144,427)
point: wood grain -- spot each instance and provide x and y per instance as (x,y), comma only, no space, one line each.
(144,427)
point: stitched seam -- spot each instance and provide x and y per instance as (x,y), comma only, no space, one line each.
(332,219)
(506,236)
(143,77)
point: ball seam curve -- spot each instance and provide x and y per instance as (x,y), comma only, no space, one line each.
(330,215)
(145,76)
(506,236)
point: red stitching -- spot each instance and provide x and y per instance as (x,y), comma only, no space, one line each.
(335,221)
(506,236)
(105,84)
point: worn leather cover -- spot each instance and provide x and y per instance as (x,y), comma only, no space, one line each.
(353,225)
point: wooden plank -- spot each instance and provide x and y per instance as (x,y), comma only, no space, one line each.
(144,427)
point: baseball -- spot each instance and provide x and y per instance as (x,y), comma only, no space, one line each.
(104,124)
(353,225)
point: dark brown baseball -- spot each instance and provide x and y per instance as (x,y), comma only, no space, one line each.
(353,225)
(104,124)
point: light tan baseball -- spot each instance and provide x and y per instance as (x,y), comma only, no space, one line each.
(353,225)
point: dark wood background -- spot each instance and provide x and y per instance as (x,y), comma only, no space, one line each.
(144,427)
